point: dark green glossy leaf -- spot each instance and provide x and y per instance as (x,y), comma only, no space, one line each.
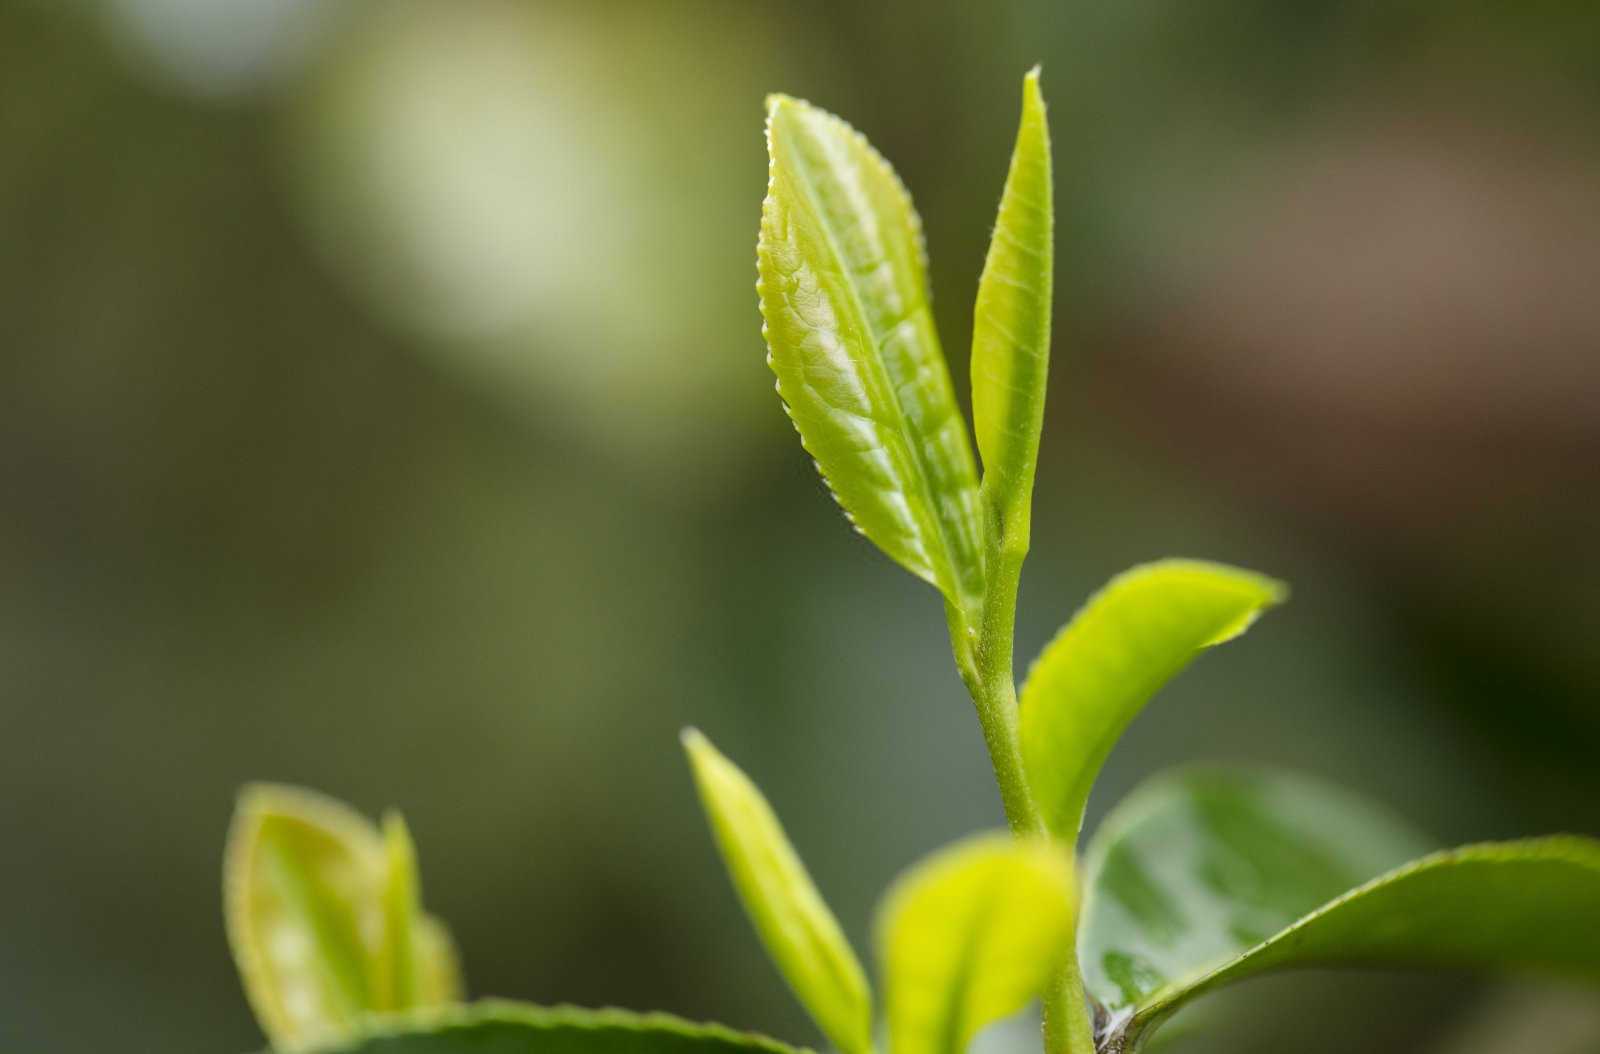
(799,932)
(1209,876)
(844,292)
(1011,327)
(323,917)
(500,1027)
(1132,637)
(969,935)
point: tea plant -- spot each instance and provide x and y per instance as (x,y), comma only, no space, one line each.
(1201,878)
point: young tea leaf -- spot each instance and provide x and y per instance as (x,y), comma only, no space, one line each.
(503,1027)
(844,292)
(970,935)
(394,981)
(417,964)
(1011,327)
(1209,876)
(1132,637)
(322,917)
(799,931)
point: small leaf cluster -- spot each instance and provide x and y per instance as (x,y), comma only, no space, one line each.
(1202,877)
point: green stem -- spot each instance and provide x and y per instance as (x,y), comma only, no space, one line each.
(1067,1026)
(985,655)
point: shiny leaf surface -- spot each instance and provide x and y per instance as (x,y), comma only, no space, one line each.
(844,292)
(970,935)
(323,919)
(1208,876)
(500,1027)
(1131,638)
(1011,326)
(799,932)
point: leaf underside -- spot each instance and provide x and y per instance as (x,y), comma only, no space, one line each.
(1132,637)
(502,1027)
(970,935)
(1011,325)
(1208,876)
(844,293)
(799,932)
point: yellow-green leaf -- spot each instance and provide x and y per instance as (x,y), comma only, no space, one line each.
(323,917)
(799,932)
(970,935)
(1011,327)
(1132,637)
(844,292)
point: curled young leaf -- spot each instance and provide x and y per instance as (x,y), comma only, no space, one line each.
(799,932)
(969,935)
(1132,637)
(1011,327)
(498,1026)
(844,292)
(417,962)
(323,917)
(1210,875)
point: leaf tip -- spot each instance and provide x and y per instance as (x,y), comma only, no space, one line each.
(1265,593)
(695,743)
(397,833)
(780,105)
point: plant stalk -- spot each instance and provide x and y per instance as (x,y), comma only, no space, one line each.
(985,654)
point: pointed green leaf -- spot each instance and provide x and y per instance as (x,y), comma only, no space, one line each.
(800,933)
(323,919)
(844,292)
(970,935)
(394,980)
(1132,637)
(1208,876)
(502,1027)
(1011,326)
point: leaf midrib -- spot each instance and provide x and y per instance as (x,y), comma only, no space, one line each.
(952,579)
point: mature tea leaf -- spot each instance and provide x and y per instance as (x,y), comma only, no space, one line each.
(799,931)
(1011,326)
(970,935)
(844,292)
(502,1027)
(1132,637)
(323,919)
(1209,876)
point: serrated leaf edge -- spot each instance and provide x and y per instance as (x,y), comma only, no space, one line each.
(886,169)
(511,1012)
(1166,1000)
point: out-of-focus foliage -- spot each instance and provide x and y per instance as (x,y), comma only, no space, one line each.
(333,454)
(791,916)
(501,1025)
(969,935)
(1207,877)
(324,918)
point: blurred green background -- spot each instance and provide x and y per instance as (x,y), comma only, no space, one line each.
(384,409)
